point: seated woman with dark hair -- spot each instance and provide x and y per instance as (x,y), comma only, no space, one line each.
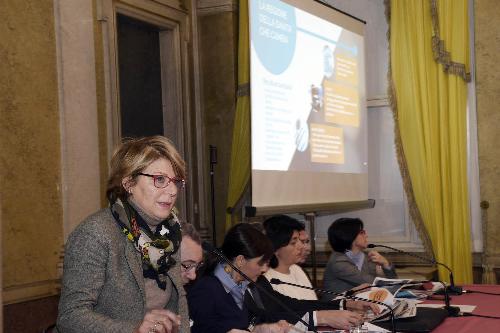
(217,301)
(349,266)
(222,301)
(284,231)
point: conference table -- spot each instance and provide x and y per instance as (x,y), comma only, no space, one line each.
(486,305)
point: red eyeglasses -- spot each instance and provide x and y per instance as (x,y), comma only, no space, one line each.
(162,181)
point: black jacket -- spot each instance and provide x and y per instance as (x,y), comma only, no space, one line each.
(213,310)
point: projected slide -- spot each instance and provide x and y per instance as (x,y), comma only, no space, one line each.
(307,92)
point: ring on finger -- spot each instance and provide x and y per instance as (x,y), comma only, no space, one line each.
(154,328)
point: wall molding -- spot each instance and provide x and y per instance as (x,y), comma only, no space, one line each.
(490,259)
(31,291)
(1,268)
(74,32)
(200,203)
(210,7)
(377,101)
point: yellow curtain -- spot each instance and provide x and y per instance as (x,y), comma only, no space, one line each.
(429,95)
(239,171)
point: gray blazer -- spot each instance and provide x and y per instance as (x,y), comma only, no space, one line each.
(341,273)
(103,284)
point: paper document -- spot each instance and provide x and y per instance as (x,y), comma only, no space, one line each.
(393,285)
(374,328)
(371,329)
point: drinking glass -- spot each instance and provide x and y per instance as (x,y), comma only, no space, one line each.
(367,316)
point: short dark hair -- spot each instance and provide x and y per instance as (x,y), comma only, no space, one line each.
(342,233)
(190,231)
(279,229)
(244,239)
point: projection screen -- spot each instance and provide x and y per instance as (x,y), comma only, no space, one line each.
(308,104)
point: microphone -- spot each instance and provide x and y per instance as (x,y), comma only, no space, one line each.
(210,248)
(452,289)
(278,281)
(213,154)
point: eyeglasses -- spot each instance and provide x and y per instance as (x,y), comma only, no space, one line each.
(162,181)
(189,265)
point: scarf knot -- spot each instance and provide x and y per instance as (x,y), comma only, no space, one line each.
(156,248)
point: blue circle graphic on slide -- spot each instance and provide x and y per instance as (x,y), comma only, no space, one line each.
(273,33)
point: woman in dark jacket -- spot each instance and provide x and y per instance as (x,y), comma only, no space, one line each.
(223,300)
(349,266)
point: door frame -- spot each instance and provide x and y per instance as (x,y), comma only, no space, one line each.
(173,20)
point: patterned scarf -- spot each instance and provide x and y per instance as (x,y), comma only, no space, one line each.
(156,247)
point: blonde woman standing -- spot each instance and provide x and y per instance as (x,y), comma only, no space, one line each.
(122,263)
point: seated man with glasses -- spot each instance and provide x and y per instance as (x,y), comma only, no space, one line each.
(349,266)
(191,253)
(306,241)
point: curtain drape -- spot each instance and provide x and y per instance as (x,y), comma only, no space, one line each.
(239,170)
(429,59)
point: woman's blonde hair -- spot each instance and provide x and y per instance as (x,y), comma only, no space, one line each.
(134,155)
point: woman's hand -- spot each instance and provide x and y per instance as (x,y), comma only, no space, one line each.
(280,327)
(362,287)
(159,321)
(339,318)
(361,306)
(379,259)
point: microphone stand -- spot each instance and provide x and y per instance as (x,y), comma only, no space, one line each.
(208,247)
(452,289)
(278,281)
(213,161)
(453,311)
